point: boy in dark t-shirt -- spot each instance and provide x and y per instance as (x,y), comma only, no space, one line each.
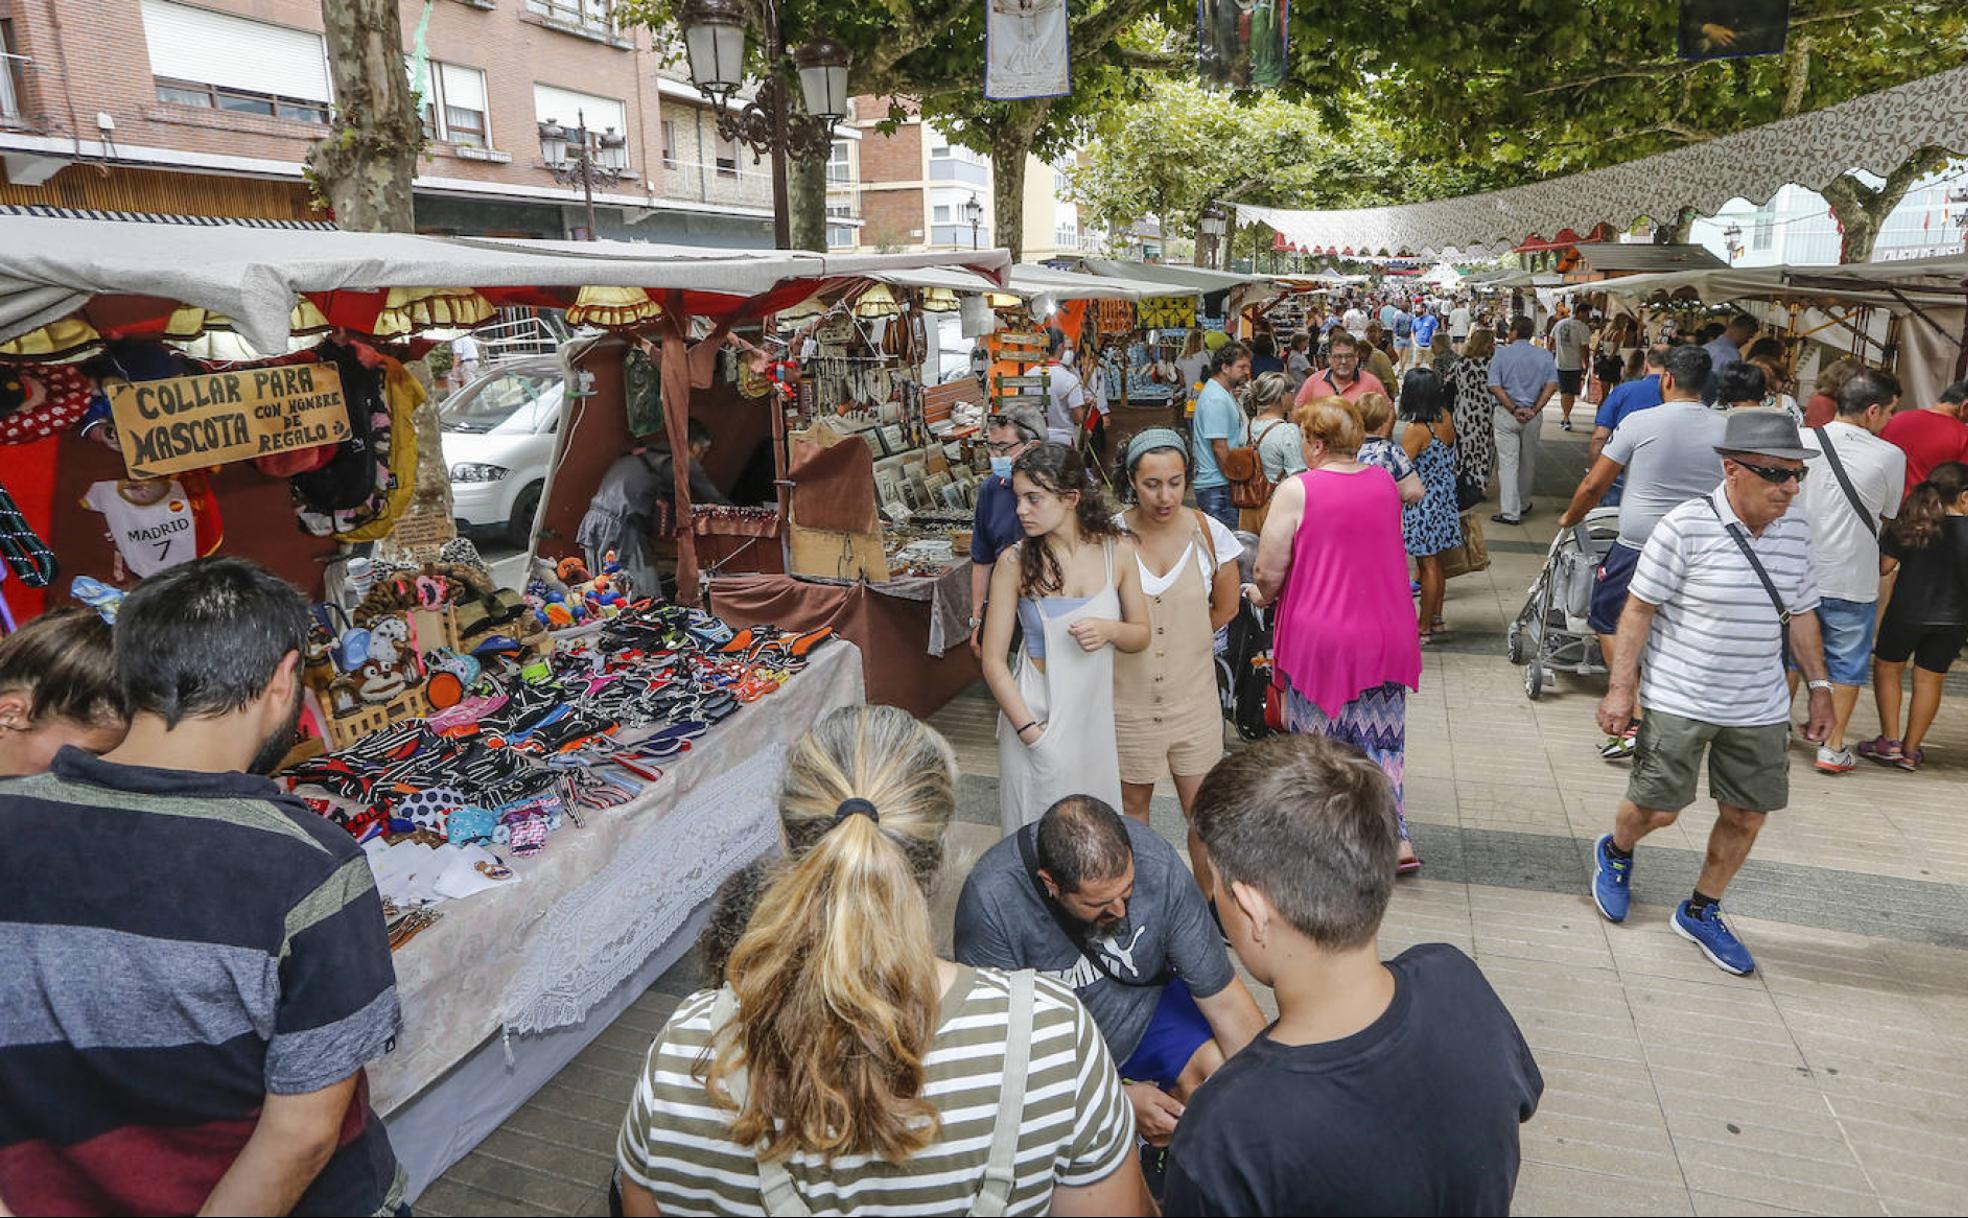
(1383,1088)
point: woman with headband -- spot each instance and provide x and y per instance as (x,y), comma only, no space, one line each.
(1167,716)
(842,1066)
(1071,587)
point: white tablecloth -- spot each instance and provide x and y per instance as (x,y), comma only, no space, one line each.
(602,900)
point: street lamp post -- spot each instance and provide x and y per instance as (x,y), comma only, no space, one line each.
(714,38)
(607,160)
(1732,240)
(973,212)
(1214,221)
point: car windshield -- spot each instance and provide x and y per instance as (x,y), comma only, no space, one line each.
(516,402)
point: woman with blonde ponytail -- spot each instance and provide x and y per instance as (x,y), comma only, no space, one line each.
(843,1067)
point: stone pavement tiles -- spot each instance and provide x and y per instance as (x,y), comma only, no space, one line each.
(1834,1080)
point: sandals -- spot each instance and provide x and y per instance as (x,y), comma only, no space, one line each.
(1881,750)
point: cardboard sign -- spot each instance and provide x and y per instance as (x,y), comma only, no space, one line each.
(191,422)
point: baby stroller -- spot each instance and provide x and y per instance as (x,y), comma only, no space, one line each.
(1243,665)
(1550,634)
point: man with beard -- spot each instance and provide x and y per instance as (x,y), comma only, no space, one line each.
(197,965)
(1106,906)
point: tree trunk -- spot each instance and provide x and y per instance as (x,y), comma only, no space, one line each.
(806,193)
(365,164)
(1010,142)
(364,168)
(1861,210)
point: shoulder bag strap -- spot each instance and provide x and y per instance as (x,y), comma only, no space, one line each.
(1029,854)
(1001,1168)
(1845,482)
(776,1190)
(1756,564)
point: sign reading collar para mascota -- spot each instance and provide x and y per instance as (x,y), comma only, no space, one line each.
(191,422)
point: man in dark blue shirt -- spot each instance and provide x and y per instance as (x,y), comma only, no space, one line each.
(1006,437)
(1626,398)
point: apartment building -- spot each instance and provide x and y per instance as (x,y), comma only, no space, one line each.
(210,107)
(1796,225)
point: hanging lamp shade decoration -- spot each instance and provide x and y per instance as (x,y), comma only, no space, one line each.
(822,67)
(612,308)
(714,41)
(940,300)
(877,301)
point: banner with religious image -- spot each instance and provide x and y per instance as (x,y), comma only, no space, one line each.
(1732,29)
(1242,44)
(1026,50)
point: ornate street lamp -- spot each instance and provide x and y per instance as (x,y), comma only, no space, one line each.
(714,38)
(607,161)
(1215,222)
(1732,239)
(974,212)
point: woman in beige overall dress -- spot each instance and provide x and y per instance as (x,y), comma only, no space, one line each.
(1168,717)
(1073,587)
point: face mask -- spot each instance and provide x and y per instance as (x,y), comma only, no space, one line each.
(1001,467)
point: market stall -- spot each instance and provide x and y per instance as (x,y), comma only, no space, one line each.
(883,483)
(550,784)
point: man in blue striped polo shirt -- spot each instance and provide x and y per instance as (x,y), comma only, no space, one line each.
(1716,582)
(196,968)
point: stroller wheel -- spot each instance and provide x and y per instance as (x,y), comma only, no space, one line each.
(1534,681)
(1515,637)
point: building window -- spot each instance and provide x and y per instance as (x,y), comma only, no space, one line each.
(727,158)
(595,15)
(1066,236)
(939,152)
(216,61)
(1763,234)
(940,214)
(669,143)
(839,168)
(10,72)
(239,101)
(454,106)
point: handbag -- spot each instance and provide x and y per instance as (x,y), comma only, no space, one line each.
(1472,555)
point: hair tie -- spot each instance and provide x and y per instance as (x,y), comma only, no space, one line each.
(849,807)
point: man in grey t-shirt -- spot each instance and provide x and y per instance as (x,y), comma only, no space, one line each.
(1667,453)
(1569,340)
(1105,905)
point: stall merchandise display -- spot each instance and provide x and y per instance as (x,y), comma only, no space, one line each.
(527,750)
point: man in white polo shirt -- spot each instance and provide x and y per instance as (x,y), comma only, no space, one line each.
(1704,607)
(1860,480)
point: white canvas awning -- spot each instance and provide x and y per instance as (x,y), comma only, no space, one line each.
(253,278)
(1876,133)
(1029,280)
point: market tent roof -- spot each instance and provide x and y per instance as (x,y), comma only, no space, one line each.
(1193,278)
(1027,280)
(135,278)
(1940,281)
(1643,257)
(1876,133)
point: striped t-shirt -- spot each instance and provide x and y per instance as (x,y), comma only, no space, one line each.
(174,946)
(1716,649)
(1075,1128)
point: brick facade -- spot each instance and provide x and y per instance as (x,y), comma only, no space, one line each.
(97,62)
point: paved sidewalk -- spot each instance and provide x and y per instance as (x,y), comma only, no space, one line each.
(1834,1080)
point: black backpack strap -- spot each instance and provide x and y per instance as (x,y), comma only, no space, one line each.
(1756,564)
(1075,934)
(1845,482)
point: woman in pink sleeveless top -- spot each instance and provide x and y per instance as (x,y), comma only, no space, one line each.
(1331,557)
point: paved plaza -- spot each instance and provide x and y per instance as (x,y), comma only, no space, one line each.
(1834,1080)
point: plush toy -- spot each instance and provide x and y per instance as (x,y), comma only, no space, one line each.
(389,642)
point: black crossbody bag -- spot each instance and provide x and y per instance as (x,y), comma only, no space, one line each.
(1756,564)
(1075,934)
(1845,482)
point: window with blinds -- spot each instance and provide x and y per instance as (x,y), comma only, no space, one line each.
(218,61)
(454,107)
(570,108)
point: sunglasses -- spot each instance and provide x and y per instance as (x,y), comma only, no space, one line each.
(1004,450)
(1774,474)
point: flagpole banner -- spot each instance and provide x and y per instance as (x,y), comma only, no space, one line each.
(1242,44)
(1026,50)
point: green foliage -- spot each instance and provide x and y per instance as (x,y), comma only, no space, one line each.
(1179,147)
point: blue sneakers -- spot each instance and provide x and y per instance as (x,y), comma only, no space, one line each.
(1710,933)
(1612,881)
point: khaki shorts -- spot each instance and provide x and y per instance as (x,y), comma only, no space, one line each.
(1748,767)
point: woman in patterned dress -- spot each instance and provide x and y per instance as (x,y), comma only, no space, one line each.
(1428,436)
(1469,390)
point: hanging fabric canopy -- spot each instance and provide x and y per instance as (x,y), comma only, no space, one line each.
(66,283)
(1875,133)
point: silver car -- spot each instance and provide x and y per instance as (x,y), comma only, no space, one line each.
(498,442)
